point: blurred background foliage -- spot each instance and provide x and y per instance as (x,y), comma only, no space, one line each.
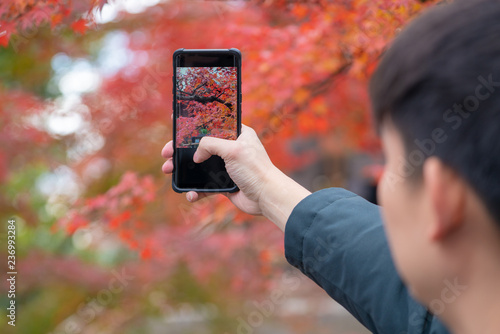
(103,243)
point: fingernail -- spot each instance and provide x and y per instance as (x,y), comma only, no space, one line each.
(189,197)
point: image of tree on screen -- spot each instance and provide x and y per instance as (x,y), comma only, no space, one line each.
(206,104)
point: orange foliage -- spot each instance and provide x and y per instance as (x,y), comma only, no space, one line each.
(21,17)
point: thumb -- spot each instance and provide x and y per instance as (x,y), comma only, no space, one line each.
(209,146)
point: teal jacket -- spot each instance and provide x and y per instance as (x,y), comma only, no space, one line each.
(337,239)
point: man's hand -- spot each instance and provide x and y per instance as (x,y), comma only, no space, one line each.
(264,189)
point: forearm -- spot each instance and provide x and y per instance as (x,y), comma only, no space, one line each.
(279,197)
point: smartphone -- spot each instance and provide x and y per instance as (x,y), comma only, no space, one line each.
(206,102)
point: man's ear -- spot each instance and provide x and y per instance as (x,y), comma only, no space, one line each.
(446,193)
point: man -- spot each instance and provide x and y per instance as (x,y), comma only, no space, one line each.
(436,103)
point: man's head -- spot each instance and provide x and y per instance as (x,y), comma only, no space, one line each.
(436,103)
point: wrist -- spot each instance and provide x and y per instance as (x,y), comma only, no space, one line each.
(279,196)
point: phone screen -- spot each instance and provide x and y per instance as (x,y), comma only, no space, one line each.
(206,103)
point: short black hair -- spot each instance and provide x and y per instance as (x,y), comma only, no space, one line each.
(439,84)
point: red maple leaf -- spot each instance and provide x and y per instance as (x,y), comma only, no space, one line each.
(79,26)
(6,29)
(4,39)
(56,19)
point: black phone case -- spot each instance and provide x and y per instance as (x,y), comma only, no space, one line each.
(178,52)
